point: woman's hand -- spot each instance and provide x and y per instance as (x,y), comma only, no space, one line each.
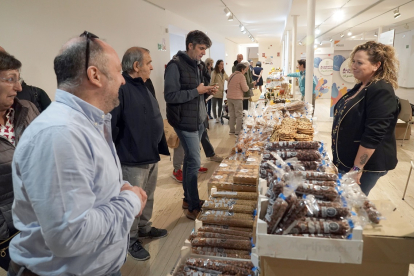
(358,175)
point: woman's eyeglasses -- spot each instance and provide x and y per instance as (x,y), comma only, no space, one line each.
(89,36)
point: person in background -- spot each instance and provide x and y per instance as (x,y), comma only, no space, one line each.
(249,80)
(33,94)
(301,75)
(218,77)
(71,204)
(184,91)
(363,130)
(209,63)
(15,116)
(138,134)
(251,65)
(236,86)
(237,61)
(257,75)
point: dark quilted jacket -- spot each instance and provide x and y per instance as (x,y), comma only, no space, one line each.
(25,112)
(185,116)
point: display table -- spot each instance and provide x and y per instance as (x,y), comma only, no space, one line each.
(388,250)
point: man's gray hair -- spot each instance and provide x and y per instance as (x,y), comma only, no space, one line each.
(131,55)
(69,65)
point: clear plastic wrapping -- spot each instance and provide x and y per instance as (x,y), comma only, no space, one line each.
(321,226)
(221,230)
(224,243)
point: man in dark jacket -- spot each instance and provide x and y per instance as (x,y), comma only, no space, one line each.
(138,133)
(15,116)
(186,112)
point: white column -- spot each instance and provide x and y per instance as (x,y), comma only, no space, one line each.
(294,38)
(379,32)
(310,54)
(286,65)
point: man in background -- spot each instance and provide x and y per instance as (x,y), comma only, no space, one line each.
(186,112)
(138,133)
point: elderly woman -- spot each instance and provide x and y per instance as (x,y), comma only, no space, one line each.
(363,138)
(218,77)
(236,86)
(15,116)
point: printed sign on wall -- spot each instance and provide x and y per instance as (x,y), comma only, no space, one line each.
(323,68)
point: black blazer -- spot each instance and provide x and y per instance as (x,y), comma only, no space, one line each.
(369,120)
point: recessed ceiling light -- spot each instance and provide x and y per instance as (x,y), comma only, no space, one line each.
(315,46)
(317,31)
(353,36)
(349,33)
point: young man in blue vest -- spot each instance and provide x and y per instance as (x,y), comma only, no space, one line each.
(186,112)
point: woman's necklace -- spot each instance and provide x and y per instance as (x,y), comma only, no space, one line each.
(359,90)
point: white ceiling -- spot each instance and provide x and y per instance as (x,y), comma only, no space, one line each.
(269,19)
(262,18)
(361,16)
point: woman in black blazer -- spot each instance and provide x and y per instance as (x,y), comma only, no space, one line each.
(363,131)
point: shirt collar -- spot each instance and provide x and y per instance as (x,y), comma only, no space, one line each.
(91,112)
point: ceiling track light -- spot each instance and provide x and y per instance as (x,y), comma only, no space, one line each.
(300,42)
(397,13)
(242,28)
(406,26)
(331,39)
(227,11)
(320,43)
(375,34)
(230,17)
(342,35)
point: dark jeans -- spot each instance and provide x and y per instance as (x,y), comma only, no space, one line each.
(207,146)
(190,140)
(368,180)
(209,108)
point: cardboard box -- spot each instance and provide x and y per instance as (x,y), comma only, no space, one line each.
(306,248)
(400,129)
(388,250)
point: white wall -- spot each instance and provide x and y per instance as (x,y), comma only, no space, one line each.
(35,31)
(270,48)
(176,44)
(232,49)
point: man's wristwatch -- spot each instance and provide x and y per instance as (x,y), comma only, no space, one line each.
(356,169)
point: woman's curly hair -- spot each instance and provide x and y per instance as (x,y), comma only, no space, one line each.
(378,52)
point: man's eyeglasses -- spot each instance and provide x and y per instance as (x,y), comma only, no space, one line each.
(89,36)
(12,80)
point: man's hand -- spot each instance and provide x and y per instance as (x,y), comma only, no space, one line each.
(204,89)
(142,195)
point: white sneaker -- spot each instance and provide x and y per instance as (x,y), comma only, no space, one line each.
(217,120)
